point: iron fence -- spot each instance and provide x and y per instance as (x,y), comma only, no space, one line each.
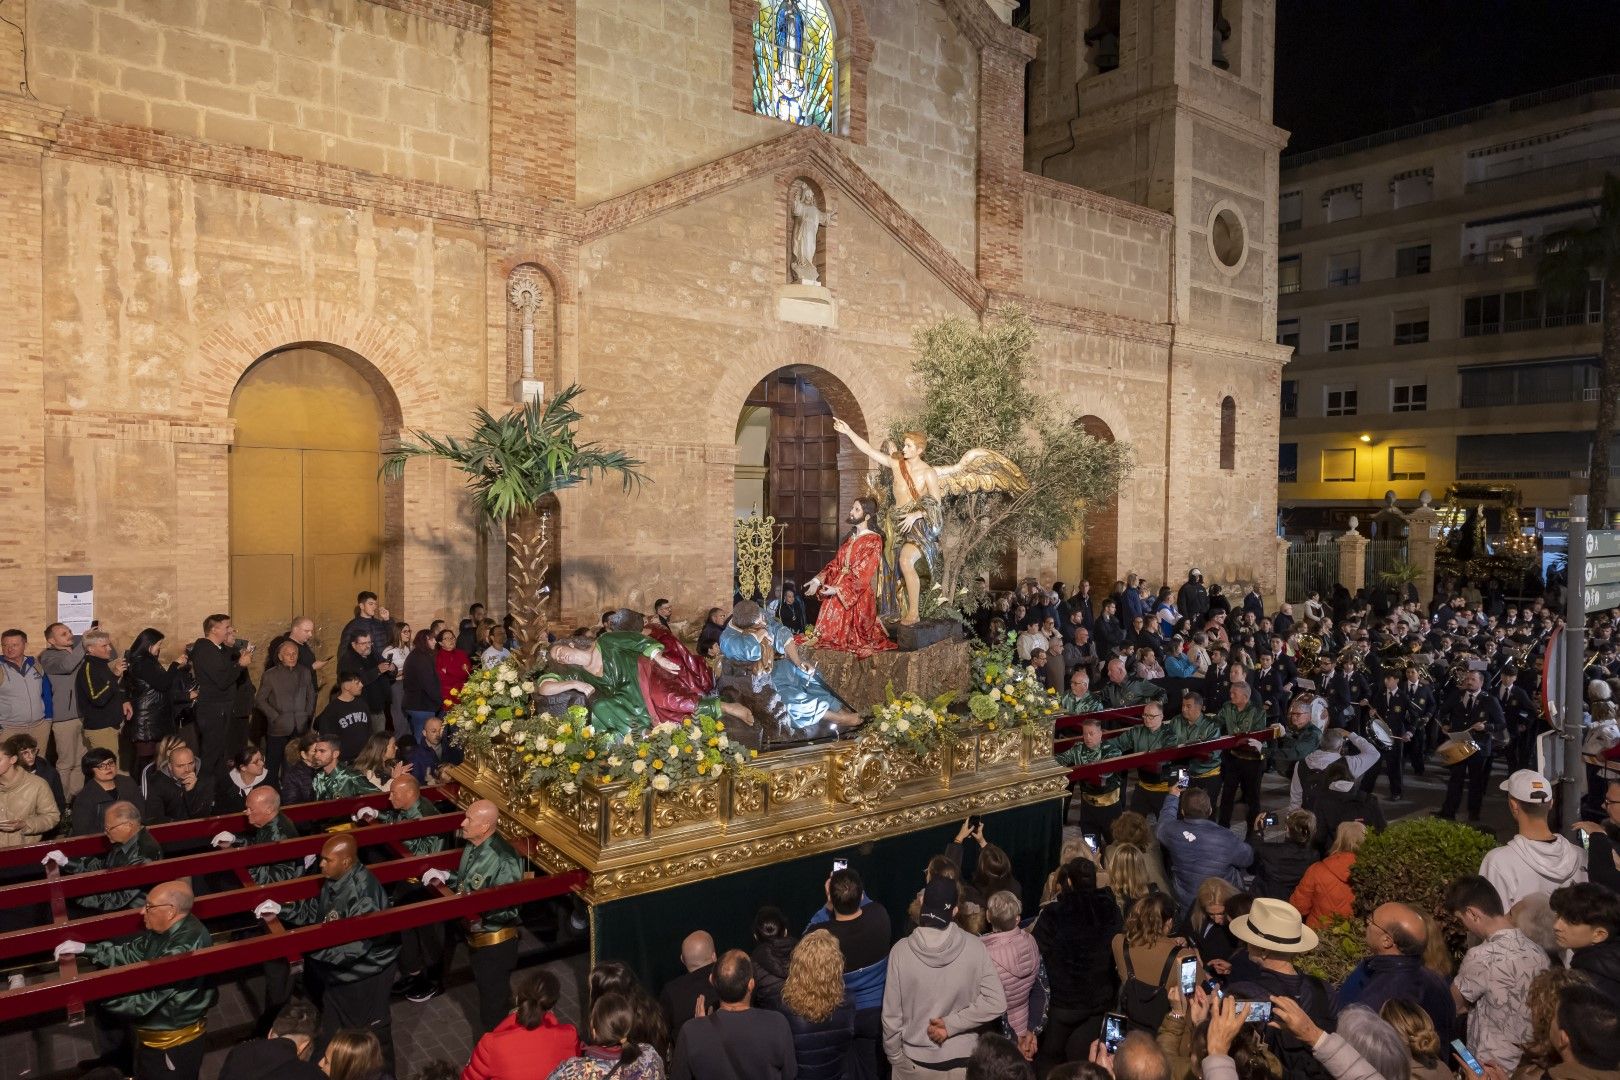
(1312,567)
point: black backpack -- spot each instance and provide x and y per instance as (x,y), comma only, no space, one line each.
(1145,1005)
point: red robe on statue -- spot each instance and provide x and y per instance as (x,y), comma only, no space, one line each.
(673,697)
(849,620)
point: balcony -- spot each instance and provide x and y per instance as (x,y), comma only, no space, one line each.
(1528,252)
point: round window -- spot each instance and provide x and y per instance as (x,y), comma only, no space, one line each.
(1226,237)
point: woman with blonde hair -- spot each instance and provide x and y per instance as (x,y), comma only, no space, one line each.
(1133,828)
(1423,1044)
(353,1054)
(1206,922)
(1436,953)
(818,1012)
(1324,892)
(1075,847)
(1128,875)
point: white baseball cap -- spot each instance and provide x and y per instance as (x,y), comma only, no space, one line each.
(1527,785)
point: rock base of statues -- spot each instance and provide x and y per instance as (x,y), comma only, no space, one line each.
(927,671)
(920,635)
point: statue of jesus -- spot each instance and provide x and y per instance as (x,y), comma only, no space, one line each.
(848,589)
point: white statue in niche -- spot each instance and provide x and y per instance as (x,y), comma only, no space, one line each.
(808,218)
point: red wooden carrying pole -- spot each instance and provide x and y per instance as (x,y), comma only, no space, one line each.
(184,866)
(1063,725)
(1169,753)
(73,993)
(173,832)
(44,939)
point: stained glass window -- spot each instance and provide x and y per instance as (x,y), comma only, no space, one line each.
(796,63)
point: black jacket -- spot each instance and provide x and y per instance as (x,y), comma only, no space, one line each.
(297,784)
(376,686)
(1601,964)
(268,1059)
(151,693)
(167,800)
(422,692)
(1193,599)
(92,801)
(1279,866)
(1075,933)
(216,672)
(770,959)
(100,696)
(820,1048)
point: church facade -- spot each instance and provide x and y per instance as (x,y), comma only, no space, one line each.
(254,242)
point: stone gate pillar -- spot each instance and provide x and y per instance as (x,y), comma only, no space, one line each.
(1352,558)
(1423,543)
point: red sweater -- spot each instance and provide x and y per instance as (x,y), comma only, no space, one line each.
(512,1051)
(453,668)
(1324,891)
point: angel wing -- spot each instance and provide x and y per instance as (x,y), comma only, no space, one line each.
(982,470)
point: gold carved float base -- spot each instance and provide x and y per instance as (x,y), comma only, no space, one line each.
(803,800)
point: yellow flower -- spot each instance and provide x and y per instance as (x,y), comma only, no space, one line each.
(641,752)
(481,701)
(574,767)
(546,760)
(658,763)
(714,742)
(753,753)
(564,731)
(518,711)
(590,755)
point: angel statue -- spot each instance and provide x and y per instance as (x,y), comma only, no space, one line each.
(919,491)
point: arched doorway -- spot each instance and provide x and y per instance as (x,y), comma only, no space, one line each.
(308,513)
(1093,555)
(789,464)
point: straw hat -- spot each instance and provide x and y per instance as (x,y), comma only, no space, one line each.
(1275,926)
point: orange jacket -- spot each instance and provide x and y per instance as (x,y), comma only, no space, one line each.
(1324,891)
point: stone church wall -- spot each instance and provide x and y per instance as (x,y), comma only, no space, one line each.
(678,323)
(160,291)
(349,82)
(1080,251)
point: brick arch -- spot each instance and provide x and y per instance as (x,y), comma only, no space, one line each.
(1101,564)
(388,357)
(844,384)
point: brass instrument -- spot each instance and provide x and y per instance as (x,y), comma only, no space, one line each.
(1310,647)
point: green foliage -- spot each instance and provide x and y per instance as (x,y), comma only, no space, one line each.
(976,384)
(1340,947)
(1413,861)
(1400,574)
(513,461)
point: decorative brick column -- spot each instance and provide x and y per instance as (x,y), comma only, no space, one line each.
(533,137)
(1280,593)
(1352,558)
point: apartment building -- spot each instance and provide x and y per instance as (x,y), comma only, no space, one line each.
(1424,353)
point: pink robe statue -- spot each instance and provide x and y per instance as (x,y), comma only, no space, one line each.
(849,620)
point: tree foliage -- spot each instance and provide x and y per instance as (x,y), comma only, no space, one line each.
(976,385)
(1575,257)
(512,462)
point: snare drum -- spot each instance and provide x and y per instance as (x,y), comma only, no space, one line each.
(1457,749)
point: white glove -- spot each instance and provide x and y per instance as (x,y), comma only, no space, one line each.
(365,813)
(54,856)
(68,948)
(435,877)
(268,909)
(1256,745)
(224,839)
(309,860)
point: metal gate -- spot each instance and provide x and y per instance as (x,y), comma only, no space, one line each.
(1312,567)
(1381,556)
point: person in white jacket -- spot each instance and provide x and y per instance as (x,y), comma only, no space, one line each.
(1537,860)
(1333,1052)
(940,989)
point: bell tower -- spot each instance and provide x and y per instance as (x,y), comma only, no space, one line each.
(1167,104)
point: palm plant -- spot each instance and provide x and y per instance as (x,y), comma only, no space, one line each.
(1573,258)
(515,464)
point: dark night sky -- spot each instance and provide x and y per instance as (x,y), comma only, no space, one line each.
(1347,68)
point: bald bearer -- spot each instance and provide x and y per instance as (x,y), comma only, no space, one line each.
(350,981)
(487,861)
(168,1020)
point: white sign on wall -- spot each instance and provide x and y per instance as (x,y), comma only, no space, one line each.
(75,601)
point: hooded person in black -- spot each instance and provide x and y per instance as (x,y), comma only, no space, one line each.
(1075,933)
(773,949)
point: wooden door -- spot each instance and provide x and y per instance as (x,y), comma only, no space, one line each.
(802,477)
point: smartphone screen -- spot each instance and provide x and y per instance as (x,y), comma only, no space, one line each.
(1181,777)
(1467,1057)
(1189,976)
(840,864)
(1091,842)
(1113,1032)
(1212,987)
(1271,820)
(1257,1012)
